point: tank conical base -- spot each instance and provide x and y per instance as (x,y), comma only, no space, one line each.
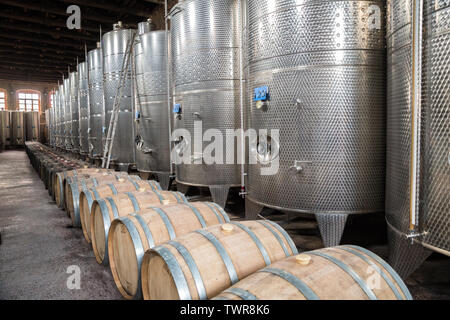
(405,257)
(331,227)
(164,180)
(219,194)
(252,210)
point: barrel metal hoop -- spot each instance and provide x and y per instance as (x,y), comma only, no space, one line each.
(160,197)
(179,199)
(375,267)
(113,207)
(157,185)
(286,252)
(388,268)
(76,203)
(182,197)
(286,236)
(218,216)
(198,215)
(139,250)
(106,225)
(96,195)
(349,271)
(296,282)
(258,242)
(222,212)
(88,195)
(134,201)
(113,188)
(175,270)
(192,267)
(152,186)
(61,190)
(144,226)
(223,254)
(166,221)
(133,182)
(241,293)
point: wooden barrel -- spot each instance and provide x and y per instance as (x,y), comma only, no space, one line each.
(338,273)
(104,211)
(87,197)
(131,236)
(61,179)
(202,264)
(75,185)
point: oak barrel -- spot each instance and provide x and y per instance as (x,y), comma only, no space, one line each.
(130,236)
(87,197)
(337,273)
(104,211)
(202,264)
(74,187)
(61,179)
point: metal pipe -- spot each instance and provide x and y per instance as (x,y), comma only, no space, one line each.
(241,81)
(417,28)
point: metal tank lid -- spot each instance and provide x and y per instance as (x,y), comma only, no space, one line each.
(144,27)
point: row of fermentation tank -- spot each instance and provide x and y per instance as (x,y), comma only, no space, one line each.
(335,113)
(16,127)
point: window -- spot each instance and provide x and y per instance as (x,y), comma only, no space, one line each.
(29,100)
(2,99)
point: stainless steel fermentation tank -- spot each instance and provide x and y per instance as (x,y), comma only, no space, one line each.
(206,81)
(67,124)
(114,46)
(60,118)
(74,107)
(316,75)
(96,102)
(5,127)
(32,125)
(152,112)
(83,107)
(428,227)
(17,128)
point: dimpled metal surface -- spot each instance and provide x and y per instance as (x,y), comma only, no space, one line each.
(75,136)
(437,124)
(96,107)
(114,48)
(67,116)
(325,69)
(83,103)
(153,124)
(205,69)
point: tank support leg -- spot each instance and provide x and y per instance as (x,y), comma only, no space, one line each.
(219,194)
(331,227)
(252,210)
(164,180)
(405,257)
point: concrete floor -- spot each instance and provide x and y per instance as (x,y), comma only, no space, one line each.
(38,244)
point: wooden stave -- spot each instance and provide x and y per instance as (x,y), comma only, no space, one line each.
(139,229)
(281,278)
(87,197)
(75,186)
(104,209)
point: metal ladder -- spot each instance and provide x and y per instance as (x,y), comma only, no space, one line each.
(109,142)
